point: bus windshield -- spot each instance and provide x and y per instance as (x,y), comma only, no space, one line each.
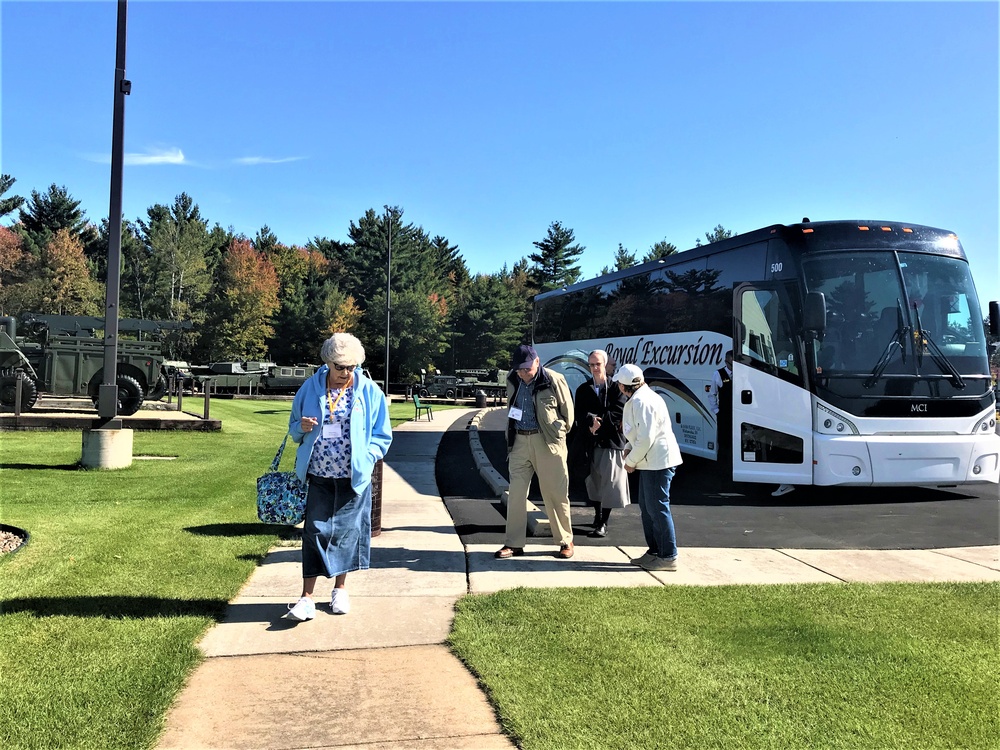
(898,323)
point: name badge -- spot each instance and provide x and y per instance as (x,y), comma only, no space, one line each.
(332,430)
(515,414)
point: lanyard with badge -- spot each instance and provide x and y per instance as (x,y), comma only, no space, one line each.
(333,429)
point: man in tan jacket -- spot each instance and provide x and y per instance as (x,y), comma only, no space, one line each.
(540,414)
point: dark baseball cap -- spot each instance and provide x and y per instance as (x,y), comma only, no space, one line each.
(524,357)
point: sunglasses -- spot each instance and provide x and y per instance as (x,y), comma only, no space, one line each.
(343,368)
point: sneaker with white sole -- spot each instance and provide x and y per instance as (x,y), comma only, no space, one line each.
(660,563)
(646,557)
(340,602)
(304,609)
(783,490)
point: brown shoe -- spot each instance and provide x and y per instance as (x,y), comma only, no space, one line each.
(565,551)
(505,552)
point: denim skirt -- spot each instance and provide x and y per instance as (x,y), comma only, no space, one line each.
(336,536)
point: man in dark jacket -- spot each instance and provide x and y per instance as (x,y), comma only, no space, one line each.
(598,436)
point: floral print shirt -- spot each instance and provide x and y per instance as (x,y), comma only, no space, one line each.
(331,455)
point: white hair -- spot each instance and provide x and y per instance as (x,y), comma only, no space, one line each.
(601,354)
(342,349)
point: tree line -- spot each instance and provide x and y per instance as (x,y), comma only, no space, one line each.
(256,298)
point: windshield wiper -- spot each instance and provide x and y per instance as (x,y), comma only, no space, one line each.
(897,342)
(939,357)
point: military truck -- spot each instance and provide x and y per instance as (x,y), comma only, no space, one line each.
(224,378)
(464,384)
(59,355)
(253,377)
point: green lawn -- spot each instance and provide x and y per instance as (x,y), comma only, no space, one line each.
(125,570)
(800,666)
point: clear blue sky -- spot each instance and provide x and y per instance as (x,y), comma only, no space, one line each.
(628,122)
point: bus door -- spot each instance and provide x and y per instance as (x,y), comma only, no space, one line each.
(772,410)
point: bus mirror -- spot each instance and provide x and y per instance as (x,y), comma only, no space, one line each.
(814,312)
(994,319)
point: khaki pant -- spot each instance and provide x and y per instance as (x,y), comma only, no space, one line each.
(530,456)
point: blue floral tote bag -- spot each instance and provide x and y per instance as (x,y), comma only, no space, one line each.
(281,495)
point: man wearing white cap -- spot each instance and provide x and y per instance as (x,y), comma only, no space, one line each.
(651,450)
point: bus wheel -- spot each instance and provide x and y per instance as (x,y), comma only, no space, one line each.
(130,395)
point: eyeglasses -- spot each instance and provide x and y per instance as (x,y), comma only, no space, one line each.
(343,368)
(595,364)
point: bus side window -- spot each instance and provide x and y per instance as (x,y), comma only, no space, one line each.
(756,345)
(767,342)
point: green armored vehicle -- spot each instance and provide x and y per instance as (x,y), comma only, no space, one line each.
(59,355)
(254,377)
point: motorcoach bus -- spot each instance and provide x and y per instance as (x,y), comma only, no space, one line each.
(860,355)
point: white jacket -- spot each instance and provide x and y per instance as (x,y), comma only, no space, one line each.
(646,424)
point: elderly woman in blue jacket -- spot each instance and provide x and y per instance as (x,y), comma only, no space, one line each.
(340,419)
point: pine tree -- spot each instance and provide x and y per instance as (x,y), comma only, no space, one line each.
(10,203)
(554,262)
(659,250)
(719,233)
(44,214)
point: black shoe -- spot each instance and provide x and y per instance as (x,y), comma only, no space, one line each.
(600,532)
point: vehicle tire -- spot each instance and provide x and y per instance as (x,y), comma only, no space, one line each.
(8,390)
(424,393)
(130,395)
(450,393)
(159,389)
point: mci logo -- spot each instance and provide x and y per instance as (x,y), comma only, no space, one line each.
(918,408)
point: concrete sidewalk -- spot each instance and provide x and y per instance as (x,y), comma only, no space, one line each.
(381,677)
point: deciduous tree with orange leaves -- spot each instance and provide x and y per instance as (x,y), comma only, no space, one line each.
(239,321)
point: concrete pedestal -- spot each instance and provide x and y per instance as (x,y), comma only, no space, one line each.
(107,449)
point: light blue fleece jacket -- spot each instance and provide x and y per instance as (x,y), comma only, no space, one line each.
(371,431)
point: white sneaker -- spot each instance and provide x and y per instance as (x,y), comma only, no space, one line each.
(340,602)
(304,609)
(660,563)
(646,557)
(783,490)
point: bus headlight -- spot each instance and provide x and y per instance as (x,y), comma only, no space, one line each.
(987,425)
(833,423)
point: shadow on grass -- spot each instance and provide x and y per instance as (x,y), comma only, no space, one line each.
(274,411)
(57,467)
(244,529)
(116,607)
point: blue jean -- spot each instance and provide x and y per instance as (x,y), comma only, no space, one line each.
(654,506)
(336,537)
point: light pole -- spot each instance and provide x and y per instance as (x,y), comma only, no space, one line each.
(388,292)
(107,404)
(107,445)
